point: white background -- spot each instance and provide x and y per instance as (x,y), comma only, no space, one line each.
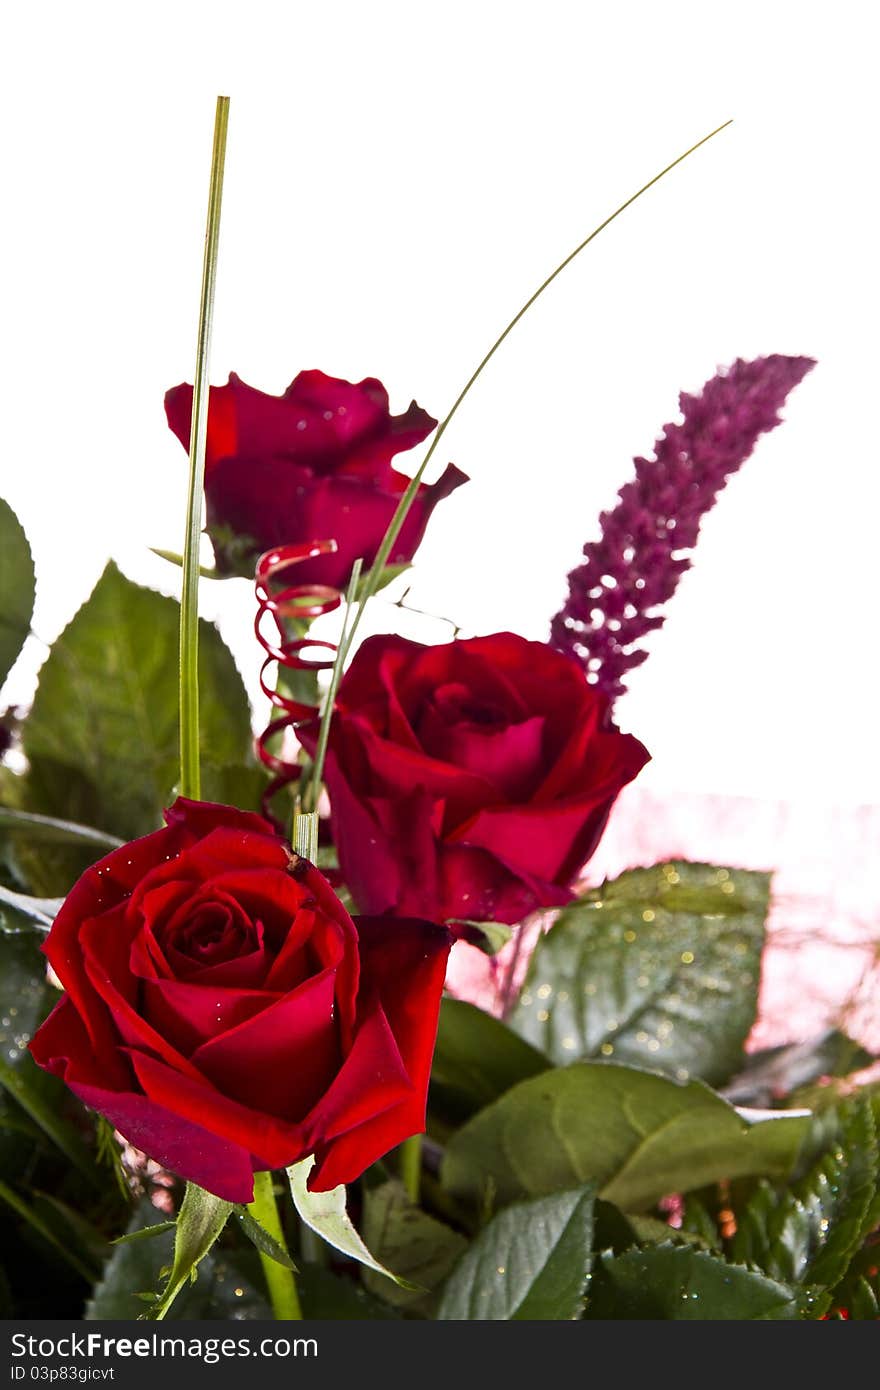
(400,177)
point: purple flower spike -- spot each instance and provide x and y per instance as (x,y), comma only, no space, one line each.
(616,592)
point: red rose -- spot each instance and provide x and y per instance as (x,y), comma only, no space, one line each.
(471,780)
(225,1013)
(313,464)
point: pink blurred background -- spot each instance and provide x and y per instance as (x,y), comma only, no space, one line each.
(822,963)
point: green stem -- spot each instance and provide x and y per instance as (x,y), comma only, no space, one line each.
(373,578)
(411,1166)
(49,828)
(305,834)
(190,780)
(279,1281)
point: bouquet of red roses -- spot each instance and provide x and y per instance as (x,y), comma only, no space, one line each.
(251,934)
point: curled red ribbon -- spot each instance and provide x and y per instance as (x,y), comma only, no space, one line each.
(294,601)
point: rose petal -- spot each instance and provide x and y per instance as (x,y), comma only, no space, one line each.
(175,1143)
(273,1142)
(372,679)
(428,496)
(396,771)
(366,435)
(317,419)
(188,1015)
(403,965)
(226,848)
(365,852)
(148,962)
(209,930)
(282,1059)
(246,971)
(101,886)
(404,961)
(546,681)
(476,886)
(314,943)
(509,759)
(542,839)
(106,947)
(154,909)
(222,850)
(372,1080)
(292,963)
(354,511)
(104,1084)
(336,920)
(466,663)
(201,818)
(64,1042)
(356,420)
(387,848)
(270,896)
(611,761)
(242,418)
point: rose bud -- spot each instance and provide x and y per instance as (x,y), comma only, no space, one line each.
(471,780)
(312,464)
(227,1016)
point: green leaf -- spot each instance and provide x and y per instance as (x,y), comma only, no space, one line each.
(476,1059)
(637,1135)
(650,1230)
(205,571)
(19,912)
(418,1246)
(73,1228)
(859,1297)
(25,995)
(49,867)
(201,1218)
(108,1157)
(698,1222)
(134,1267)
(776,1072)
(237,784)
(229,1286)
(324,1213)
(809,1234)
(658,968)
(13,1122)
(25,1000)
(612,1230)
(531,1262)
(332,1297)
(678,1283)
(751,1243)
(144,1232)
(843,1188)
(17,589)
(56,831)
(107,704)
(261,1238)
(32,1218)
